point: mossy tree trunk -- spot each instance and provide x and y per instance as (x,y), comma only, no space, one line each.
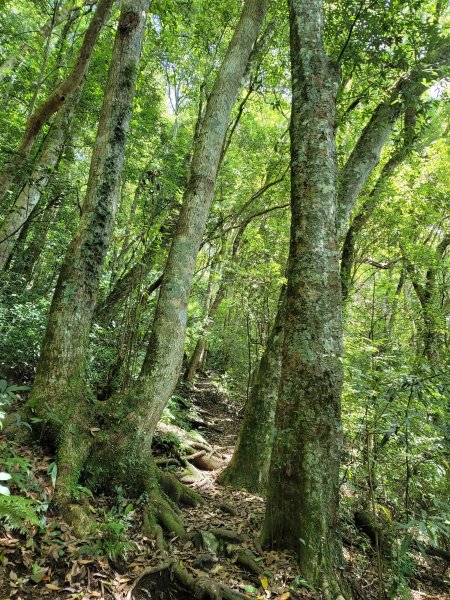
(59,392)
(249,467)
(162,364)
(302,498)
(121,451)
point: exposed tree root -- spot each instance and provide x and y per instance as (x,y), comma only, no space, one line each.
(162,511)
(77,516)
(246,559)
(177,492)
(171,577)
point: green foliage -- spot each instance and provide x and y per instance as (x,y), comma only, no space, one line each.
(22,325)
(112,540)
(17,512)
(396,393)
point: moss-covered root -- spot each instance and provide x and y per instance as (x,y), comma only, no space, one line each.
(177,492)
(170,576)
(160,515)
(161,512)
(78,517)
(72,453)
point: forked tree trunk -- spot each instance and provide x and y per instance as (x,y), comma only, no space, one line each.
(59,390)
(249,467)
(31,193)
(58,97)
(302,499)
(121,451)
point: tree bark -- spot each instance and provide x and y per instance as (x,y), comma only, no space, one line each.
(58,97)
(163,360)
(249,466)
(59,393)
(302,499)
(31,193)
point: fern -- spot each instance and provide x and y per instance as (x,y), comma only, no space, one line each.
(18,512)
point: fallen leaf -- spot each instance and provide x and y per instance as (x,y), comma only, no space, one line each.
(264,582)
(53,586)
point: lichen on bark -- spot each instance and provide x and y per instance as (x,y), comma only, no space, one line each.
(302,499)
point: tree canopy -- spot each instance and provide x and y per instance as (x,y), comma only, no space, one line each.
(247,196)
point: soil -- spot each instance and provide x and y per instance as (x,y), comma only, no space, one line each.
(51,563)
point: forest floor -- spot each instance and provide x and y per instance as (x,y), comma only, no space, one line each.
(52,563)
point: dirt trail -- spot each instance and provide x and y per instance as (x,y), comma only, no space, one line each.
(222,544)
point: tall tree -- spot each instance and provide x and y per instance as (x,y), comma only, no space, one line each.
(303,491)
(59,392)
(249,466)
(59,387)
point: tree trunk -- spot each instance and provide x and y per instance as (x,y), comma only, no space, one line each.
(249,467)
(163,360)
(121,451)
(58,97)
(31,193)
(59,391)
(200,347)
(303,490)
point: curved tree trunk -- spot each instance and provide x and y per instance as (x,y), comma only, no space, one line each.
(367,151)
(249,467)
(371,202)
(58,97)
(161,368)
(31,193)
(59,392)
(302,499)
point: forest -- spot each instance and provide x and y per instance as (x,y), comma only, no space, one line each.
(224,299)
